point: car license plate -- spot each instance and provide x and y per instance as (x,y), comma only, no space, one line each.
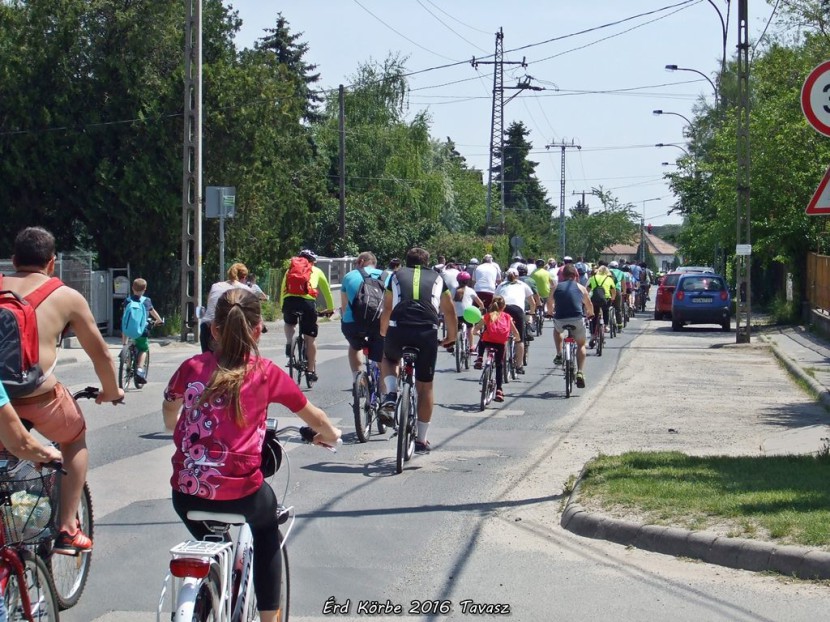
(701,300)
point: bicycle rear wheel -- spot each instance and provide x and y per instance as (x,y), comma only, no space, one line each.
(297,359)
(486,380)
(600,337)
(68,573)
(406,440)
(362,407)
(205,609)
(125,369)
(44,606)
(459,354)
(568,375)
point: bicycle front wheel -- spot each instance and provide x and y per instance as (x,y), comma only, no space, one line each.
(459,354)
(362,408)
(600,338)
(285,586)
(43,605)
(486,379)
(69,573)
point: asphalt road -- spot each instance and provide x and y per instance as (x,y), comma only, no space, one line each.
(473,523)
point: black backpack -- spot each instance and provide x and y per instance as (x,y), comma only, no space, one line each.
(367,304)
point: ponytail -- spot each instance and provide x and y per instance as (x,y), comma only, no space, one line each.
(496,307)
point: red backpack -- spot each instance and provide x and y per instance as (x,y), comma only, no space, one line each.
(298,278)
(20,369)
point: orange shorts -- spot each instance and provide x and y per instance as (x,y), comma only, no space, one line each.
(55,414)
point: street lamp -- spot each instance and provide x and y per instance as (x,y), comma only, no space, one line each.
(667,164)
(700,73)
(681,147)
(677,114)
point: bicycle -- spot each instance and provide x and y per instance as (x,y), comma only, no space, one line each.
(367,399)
(406,408)
(539,320)
(212,579)
(28,496)
(509,361)
(569,357)
(68,573)
(599,333)
(128,361)
(462,349)
(488,378)
(297,358)
(612,322)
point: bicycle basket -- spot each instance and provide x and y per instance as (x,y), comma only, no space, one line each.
(27,499)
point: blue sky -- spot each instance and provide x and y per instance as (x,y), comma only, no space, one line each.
(600,87)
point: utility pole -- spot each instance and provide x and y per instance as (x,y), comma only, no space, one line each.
(743,250)
(497,121)
(191,257)
(563,146)
(342,163)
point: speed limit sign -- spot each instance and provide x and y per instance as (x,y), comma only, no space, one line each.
(815,98)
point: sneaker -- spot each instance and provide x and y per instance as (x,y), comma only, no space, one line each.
(520,370)
(139,381)
(72,545)
(557,360)
(580,380)
(450,349)
(478,364)
(499,396)
(390,400)
(422,447)
(529,337)
(592,343)
(312,376)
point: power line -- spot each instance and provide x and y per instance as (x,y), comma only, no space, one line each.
(400,34)
(484,32)
(445,25)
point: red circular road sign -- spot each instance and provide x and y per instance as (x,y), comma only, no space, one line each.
(815,98)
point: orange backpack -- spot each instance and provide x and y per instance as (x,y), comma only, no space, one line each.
(298,278)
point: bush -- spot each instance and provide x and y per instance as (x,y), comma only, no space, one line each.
(784,311)
(270,311)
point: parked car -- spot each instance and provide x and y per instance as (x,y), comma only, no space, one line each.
(701,298)
(665,293)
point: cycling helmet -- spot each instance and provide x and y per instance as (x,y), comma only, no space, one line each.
(614,264)
(517,257)
(308,254)
(463,277)
(474,262)
(568,259)
(522,269)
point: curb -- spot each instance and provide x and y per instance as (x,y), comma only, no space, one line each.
(821,393)
(740,553)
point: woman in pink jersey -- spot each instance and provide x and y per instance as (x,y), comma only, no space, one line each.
(216,403)
(497,325)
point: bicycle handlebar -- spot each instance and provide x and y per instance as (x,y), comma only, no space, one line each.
(91,393)
(307,434)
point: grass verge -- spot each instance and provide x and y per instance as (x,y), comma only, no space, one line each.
(778,498)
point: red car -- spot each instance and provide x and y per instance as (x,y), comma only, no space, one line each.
(665,292)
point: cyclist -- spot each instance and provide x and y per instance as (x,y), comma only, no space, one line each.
(646,277)
(531,283)
(463,298)
(142,343)
(414,296)
(237,275)
(487,277)
(471,267)
(602,290)
(619,284)
(497,326)
(304,303)
(223,399)
(570,302)
(517,295)
(50,407)
(583,269)
(544,285)
(358,336)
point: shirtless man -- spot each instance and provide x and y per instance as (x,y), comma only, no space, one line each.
(50,406)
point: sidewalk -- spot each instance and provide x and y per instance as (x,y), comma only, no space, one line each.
(807,358)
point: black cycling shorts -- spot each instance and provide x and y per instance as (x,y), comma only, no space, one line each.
(292,305)
(359,339)
(518,315)
(423,338)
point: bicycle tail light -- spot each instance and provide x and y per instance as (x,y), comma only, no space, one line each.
(183,567)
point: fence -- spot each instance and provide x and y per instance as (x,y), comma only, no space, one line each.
(818,281)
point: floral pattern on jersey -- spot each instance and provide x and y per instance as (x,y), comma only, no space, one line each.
(202,453)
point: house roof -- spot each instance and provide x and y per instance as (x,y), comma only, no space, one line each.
(656,246)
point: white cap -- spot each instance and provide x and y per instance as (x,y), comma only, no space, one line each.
(513,271)
(613,264)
